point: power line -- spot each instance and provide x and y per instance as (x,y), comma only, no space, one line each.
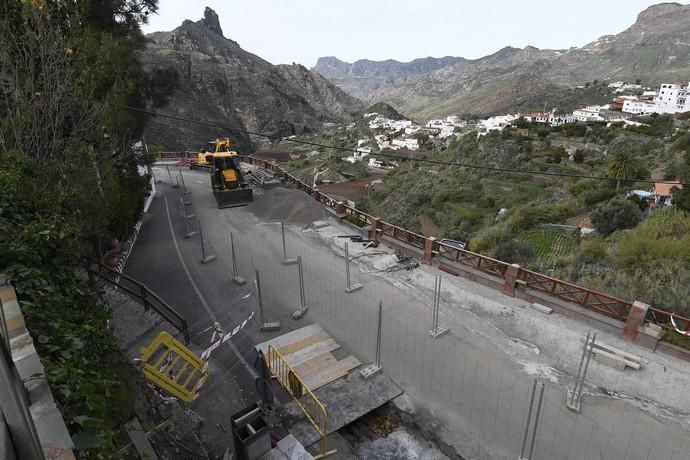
(394,156)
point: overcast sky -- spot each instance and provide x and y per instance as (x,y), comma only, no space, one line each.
(286,31)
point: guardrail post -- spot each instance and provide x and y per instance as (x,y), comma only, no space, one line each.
(185,332)
(511,275)
(429,250)
(142,292)
(636,317)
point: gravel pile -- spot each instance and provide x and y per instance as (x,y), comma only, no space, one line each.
(287,205)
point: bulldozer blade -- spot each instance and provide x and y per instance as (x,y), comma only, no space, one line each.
(231,198)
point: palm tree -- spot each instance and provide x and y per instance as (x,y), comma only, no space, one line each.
(623,166)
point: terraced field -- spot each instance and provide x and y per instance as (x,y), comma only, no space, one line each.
(548,244)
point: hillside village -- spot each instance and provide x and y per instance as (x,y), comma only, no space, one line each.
(670,98)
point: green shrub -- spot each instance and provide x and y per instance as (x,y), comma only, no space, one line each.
(615,215)
(597,195)
(514,251)
(592,252)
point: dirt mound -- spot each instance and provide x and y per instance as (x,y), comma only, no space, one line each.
(287,205)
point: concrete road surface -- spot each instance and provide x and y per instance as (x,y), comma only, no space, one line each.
(472,386)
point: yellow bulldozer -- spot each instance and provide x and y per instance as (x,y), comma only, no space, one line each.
(227,181)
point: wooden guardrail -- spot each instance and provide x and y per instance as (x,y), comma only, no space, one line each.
(141,293)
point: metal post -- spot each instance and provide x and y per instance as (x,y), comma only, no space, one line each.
(273,326)
(529,420)
(237,279)
(15,407)
(204,258)
(378,335)
(302,308)
(375,368)
(286,261)
(187,217)
(350,287)
(3,324)
(536,422)
(169,175)
(184,186)
(574,397)
(436,329)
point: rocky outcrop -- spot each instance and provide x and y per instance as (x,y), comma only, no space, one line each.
(233,90)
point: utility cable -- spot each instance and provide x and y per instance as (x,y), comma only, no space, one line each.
(394,156)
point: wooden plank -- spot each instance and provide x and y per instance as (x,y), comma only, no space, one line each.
(290,337)
(617,358)
(311,352)
(616,351)
(139,439)
(315,365)
(332,373)
(300,344)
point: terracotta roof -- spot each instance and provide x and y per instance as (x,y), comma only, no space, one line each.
(665,189)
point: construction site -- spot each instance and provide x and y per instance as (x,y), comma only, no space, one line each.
(317,332)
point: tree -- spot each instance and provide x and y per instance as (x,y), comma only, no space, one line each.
(617,214)
(623,166)
(579,156)
(514,251)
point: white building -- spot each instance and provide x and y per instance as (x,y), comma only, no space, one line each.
(359,155)
(672,98)
(496,123)
(589,113)
(405,143)
(639,107)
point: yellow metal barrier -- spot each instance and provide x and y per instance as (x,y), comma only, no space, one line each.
(173,367)
(303,396)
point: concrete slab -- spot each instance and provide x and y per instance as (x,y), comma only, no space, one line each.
(288,448)
(346,400)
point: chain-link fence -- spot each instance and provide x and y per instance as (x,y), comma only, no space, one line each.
(438,344)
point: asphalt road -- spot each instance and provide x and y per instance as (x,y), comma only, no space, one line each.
(472,385)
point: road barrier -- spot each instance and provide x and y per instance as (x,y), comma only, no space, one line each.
(306,400)
(511,275)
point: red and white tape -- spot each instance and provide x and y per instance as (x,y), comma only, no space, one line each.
(218,338)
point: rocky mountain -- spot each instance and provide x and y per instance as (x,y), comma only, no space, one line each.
(222,84)
(656,48)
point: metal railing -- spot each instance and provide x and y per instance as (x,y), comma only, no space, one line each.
(141,293)
(311,406)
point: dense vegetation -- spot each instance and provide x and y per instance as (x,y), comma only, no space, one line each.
(69,182)
(637,252)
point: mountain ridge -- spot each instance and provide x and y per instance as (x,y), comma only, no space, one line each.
(655,48)
(221,83)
